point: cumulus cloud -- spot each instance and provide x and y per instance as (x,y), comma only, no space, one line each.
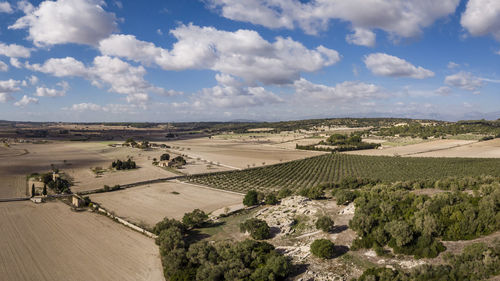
(5,8)
(50,92)
(482,17)
(243,53)
(85,107)
(33,80)
(231,93)
(66,21)
(7,87)
(3,66)
(15,63)
(345,92)
(464,80)
(362,37)
(25,101)
(387,65)
(453,65)
(110,108)
(14,51)
(443,91)
(405,18)
(119,76)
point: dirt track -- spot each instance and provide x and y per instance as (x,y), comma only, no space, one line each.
(51,242)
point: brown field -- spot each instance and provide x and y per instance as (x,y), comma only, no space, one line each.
(51,242)
(435,148)
(234,153)
(150,204)
(75,159)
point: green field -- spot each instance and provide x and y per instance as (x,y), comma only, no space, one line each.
(332,168)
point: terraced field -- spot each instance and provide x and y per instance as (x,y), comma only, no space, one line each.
(334,167)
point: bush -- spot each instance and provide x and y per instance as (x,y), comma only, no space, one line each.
(323,248)
(258,229)
(344,197)
(123,165)
(165,157)
(271,199)
(251,198)
(195,219)
(325,223)
(285,192)
(312,192)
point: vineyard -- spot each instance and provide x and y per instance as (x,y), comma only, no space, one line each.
(333,168)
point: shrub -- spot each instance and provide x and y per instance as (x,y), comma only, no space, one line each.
(325,223)
(194,219)
(165,157)
(285,192)
(258,229)
(312,192)
(251,198)
(323,248)
(344,197)
(271,199)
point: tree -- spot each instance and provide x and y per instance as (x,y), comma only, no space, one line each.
(165,157)
(194,219)
(44,191)
(33,190)
(271,199)
(325,223)
(400,231)
(323,248)
(251,198)
(257,228)
(344,197)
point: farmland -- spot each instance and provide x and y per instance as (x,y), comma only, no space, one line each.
(50,242)
(334,167)
(150,204)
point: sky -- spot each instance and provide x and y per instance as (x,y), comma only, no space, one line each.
(259,60)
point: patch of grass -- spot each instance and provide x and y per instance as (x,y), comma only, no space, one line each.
(227,227)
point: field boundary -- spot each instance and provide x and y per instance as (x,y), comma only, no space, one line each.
(125,222)
(129,185)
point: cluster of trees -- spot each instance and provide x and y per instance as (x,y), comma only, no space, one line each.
(123,165)
(257,228)
(415,129)
(342,143)
(179,160)
(253,197)
(410,224)
(477,262)
(246,260)
(59,185)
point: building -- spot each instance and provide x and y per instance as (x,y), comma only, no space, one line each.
(77,201)
(37,199)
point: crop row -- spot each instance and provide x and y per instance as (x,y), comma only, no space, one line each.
(333,168)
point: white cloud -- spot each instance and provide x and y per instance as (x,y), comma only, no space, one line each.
(110,108)
(7,87)
(14,51)
(33,80)
(453,65)
(243,53)
(348,91)
(120,76)
(231,93)
(387,65)
(405,18)
(464,80)
(67,21)
(5,8)
(85,107)
(362,37)
(25,101)
(482,17)
(15,63)
(443,91)
(48,92)
(3,66)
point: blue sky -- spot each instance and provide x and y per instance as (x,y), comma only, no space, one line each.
(266,60)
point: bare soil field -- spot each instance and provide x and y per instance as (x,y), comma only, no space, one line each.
(237,154)
(483,149)
(150,204)
(429,148)
(51,242)
(76,160)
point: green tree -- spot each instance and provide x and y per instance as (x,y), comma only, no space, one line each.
(165,157)
(257,228)
(251,198)
(323,248)
(33,190)
(325,223)
(44,191)
(194,219)
(271,199)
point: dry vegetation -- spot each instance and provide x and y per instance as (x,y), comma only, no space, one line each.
(50,242)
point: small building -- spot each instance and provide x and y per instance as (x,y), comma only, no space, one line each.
(77,201)
(37,199)
(163,164)
(55,176)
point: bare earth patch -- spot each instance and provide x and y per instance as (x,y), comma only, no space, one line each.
(51,242)
(150,204)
